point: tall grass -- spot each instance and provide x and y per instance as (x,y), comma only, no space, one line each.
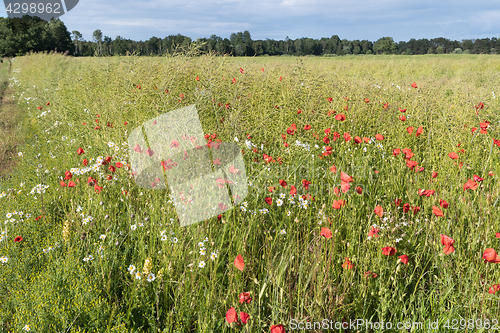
(293,273)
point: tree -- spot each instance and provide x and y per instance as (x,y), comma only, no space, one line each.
(97,36)
(247,40)
(384,45)
(440,50)
(287,40)
(77,37)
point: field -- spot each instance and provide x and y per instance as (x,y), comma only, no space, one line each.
(373,196)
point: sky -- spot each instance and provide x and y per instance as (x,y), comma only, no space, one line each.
(277,19)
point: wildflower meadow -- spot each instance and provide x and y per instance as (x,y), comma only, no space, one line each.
(373,196)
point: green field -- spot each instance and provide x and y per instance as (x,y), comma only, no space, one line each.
(402,140)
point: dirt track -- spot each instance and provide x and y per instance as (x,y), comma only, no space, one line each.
(10,132)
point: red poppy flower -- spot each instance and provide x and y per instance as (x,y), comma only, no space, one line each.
(402,118)
(337,204)
(231,315)
(244,317)
(490,255)
(389,251)
(494,288)
(438,212)
(329,99)
(234,80)
(67,175)
(97,188)
(402,110)
(420,130)
(357,139)
(472,185)
(453,155)
(137,148)
(280,78)
(18,239)
(409,154)
(397,202)
(411,164)
(373,232)
(125,123)
(379,211)
(406,207)
(149,152)
(239,263)
(359,190)
(344,186)
(327,233)
(386,105)
(80,151)
(269,200)
(443,203)
(278,328)
(396,152)
(367,100)
(370,275)
(414,85)
(345,177)
(340,117)
(347,264)
(245,297)
(448,244)
(306,184)
(307,127)
(71,183)
(333,169)
(477,178)
(293,190)
(282,182)
(434,174)
(484,127)
(404,259)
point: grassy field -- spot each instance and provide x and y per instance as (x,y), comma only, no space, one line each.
(373,197)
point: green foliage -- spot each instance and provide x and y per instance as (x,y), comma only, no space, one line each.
(292,272)
(21,35)
(384,45)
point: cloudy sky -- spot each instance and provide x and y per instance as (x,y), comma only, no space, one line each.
(276,19)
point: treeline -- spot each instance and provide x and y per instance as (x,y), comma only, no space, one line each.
(21,35)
